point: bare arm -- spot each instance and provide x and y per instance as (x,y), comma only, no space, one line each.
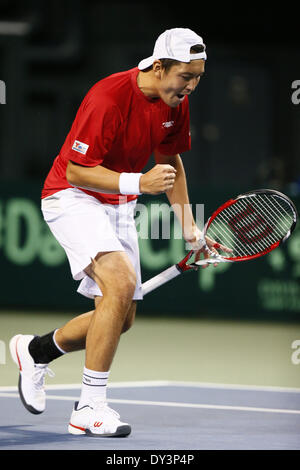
(98,178)
(179,200)
(178,196)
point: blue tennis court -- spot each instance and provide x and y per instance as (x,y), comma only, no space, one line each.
(163,415)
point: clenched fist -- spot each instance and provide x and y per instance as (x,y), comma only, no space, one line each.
(159,179)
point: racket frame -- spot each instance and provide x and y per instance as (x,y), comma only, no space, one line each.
(215,259)
(231,202)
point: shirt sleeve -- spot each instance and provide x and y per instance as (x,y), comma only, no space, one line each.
(178,139)
(93,132)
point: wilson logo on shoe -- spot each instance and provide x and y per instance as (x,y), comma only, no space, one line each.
(97,424)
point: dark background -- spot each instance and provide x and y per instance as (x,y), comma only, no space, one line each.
(245,127)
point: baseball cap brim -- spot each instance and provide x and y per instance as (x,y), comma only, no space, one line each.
(145,63)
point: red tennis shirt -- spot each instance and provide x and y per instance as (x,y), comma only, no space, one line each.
(118,127)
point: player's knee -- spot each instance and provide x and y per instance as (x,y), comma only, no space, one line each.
(117,279)
(123,279)
(124,286)
(130,318)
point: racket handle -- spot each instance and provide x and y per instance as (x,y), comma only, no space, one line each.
(160,279)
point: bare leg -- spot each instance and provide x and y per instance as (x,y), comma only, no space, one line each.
(115,276)
(72,336)
(115,271)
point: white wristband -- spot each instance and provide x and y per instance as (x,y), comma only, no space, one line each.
(198,243)
(129,183)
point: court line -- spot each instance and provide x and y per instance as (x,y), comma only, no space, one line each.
(257,388)
(171,404)
(166,383)
(132,384)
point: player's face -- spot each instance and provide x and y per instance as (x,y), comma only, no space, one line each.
(180,80)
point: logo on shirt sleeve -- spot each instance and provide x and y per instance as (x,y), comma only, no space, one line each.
(80,147)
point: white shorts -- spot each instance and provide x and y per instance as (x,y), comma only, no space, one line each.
(84,226)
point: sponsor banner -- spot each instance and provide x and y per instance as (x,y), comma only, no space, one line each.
(35,271)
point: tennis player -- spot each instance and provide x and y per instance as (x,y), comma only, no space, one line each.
(88,201)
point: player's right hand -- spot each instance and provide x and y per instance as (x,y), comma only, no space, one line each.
(159,179)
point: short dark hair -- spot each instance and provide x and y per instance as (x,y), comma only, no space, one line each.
(168,63)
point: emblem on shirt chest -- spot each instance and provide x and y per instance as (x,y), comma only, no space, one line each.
(167,124)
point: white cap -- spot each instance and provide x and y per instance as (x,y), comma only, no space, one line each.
(175,44)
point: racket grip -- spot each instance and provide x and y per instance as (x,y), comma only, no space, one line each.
(160,279)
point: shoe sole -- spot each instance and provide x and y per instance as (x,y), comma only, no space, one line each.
(15,358)
(29,408)
(121,431)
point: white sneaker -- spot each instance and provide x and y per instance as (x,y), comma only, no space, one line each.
(97,420)
(31,376)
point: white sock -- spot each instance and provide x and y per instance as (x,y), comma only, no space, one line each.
(93,385)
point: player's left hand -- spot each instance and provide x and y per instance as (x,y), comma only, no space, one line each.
(205,245)
(211,247)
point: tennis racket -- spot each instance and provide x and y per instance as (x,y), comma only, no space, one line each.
(244,228)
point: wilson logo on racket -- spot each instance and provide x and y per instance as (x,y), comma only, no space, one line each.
(249,226)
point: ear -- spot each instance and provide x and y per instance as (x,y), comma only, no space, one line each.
(157,68)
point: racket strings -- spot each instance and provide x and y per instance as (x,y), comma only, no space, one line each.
(219,231)
(281,218)
(252,224)
(228,236)
(269,221)
(266,238)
